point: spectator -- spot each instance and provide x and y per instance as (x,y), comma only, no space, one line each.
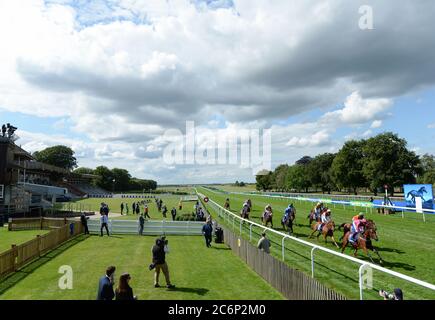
(126,208)
(180,205)
(104,220)
(71,229)
(122,208)
(145,210)
(133,206)
(207,231)
(396,295)
(106,209)
(124,291)
(101,208)
(84,221)
(137,208)
(141,224)
(264,243)
(164,210)
(159,262)
(173,213)
(105,286)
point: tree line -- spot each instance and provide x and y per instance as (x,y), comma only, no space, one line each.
(115,179)
(367,163)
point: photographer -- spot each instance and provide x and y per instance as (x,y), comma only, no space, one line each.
(159,251)
(396,295)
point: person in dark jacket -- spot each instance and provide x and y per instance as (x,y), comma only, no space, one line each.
(141,224)
(173,213)
(124,291)
(122,208)
(159,262)
(207,231)
(84,221)
(105,286)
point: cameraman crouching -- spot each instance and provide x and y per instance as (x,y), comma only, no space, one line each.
(159,263)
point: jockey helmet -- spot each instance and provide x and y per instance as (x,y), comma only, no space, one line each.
(361,216)
(328,211)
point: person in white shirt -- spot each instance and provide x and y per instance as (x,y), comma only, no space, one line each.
(104,220)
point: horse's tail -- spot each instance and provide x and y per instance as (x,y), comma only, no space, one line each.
(341,226)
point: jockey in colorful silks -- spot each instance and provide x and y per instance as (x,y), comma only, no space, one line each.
(318,210)
(288,212)
(325,218)
(358,223)
(267,211)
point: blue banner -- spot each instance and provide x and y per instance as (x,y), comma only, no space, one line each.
(423,191)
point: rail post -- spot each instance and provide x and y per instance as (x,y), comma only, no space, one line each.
(360,280)
(241,226)
(250,232)
(283,248)
(312,262)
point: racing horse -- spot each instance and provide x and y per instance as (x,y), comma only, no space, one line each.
(244,213)
(327,231)
(266,217)
(312,217)
(364,240)
(287,221)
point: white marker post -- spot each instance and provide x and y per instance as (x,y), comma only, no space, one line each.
(419,206)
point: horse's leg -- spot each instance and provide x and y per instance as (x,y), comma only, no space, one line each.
(336,244)
(377,252)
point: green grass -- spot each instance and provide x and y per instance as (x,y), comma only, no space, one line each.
(406,245)
(8,238)
(115,206)
(199,273)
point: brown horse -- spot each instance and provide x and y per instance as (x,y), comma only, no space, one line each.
(364,241)
(287,222)
(244,213)
(327,231)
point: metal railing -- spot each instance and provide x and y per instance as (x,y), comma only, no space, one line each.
(231,218)
(151,227)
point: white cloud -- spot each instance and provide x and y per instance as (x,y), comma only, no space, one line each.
(376,124)
(431,126)
(358,110)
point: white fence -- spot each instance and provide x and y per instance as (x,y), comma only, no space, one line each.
(231,218)
(151,227)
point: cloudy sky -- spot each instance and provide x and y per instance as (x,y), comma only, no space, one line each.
(112,79)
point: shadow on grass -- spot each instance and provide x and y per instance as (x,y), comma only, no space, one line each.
(28,269)
(198,291)
(220,248)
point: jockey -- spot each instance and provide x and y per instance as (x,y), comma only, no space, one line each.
(287,212)
(318,210)
(325,218)
(267,211)
(358,223)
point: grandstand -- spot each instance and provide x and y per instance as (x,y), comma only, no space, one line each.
(27,185)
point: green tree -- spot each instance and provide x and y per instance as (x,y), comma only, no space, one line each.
(319,172)
(427,170)
(105,177)
(264,180)
(297,178)
(388,161)
(59,156)
(122,179)
(347,166)
(280,177)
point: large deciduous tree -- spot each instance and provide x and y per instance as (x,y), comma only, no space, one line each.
(347,166)
(319,171)
(59,156)
(388,161)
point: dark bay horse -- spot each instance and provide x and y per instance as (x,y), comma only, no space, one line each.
(312,217)
(364,241)
(327,231)
(266,218)
(287,221)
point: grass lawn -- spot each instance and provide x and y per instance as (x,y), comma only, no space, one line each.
(406,245)
(8,238)
(199,273)
(115,206)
